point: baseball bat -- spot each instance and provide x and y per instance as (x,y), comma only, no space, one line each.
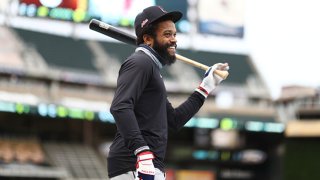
(127,38)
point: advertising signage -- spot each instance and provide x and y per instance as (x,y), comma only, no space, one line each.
(115,12)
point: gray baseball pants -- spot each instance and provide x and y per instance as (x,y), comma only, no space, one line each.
(131,175)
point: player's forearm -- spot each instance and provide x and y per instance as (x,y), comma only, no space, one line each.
(178,117)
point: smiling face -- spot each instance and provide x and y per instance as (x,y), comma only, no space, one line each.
(165,42)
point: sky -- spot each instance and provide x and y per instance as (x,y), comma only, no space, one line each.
(283,37)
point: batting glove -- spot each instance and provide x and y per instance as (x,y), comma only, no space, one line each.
(145,167)
(211,80)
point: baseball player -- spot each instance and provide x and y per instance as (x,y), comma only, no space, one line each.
(140,106)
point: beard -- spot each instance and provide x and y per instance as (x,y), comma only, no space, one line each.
(162,50)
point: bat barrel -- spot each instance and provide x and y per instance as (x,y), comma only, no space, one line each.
(111,31)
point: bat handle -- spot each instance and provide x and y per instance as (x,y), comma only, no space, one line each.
(222,74)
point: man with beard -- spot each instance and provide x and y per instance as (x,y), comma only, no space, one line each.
(140,106)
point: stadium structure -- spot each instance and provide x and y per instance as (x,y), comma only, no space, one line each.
(57,80)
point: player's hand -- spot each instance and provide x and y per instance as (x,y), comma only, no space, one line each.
(211,80)
(144,166)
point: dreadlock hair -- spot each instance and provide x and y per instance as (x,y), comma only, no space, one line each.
(149,30)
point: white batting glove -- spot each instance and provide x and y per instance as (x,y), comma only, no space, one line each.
(145,167)
(211,80)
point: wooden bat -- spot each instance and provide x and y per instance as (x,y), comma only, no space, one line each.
(127,38)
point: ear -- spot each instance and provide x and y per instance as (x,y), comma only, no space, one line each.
(148,40)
